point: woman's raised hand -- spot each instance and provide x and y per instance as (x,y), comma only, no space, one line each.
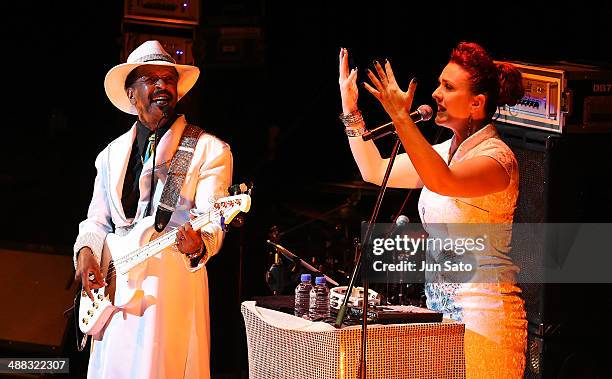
(396,102)
(348,84)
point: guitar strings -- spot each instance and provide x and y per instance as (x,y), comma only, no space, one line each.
(165,238)
(196,221)
(168,236)
(113,271)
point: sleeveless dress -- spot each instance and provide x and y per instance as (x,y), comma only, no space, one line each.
(489,304)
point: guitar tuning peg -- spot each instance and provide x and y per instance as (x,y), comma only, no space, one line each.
(234,189)
(237,189)
(248,188)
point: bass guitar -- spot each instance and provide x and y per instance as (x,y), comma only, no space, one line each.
(122,253)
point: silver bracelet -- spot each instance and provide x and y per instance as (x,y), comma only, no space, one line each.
(197,253)
(352,118)
(355,132)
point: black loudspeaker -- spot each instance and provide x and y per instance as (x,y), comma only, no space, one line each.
(35,289)
(561,181)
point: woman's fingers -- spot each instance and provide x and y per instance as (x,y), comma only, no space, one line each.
(352,78)
(375,80)
(411,89)
(343,61)
(372,90)
(389,71)
(381,73)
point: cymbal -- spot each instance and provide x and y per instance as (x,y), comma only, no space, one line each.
(353,184)
(350,186)
(340,214)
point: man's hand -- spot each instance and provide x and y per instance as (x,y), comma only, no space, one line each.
(88,271)
(188,241)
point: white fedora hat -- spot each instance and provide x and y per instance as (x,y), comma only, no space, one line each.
(149,53)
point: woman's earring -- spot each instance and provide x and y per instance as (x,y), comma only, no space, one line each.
(470,126)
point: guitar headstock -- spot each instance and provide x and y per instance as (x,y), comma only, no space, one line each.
(242,188)
(234,190)
(227,208)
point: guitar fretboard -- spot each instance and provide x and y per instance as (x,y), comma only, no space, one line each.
(162,242)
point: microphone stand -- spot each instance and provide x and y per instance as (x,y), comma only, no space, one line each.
(359,263)
(296,259)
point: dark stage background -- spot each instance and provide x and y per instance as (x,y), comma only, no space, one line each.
(277,107)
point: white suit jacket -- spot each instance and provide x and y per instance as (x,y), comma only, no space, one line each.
(208,178)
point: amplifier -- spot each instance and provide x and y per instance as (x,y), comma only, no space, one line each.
(166,11)
(181,48)
(562,97)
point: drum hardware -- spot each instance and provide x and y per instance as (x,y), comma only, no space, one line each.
(294,258)
(277,277)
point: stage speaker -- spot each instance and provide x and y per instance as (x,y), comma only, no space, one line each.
(233,47)
(35,289)
(561,181)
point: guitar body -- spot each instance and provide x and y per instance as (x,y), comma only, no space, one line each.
(122,254)
(121,289)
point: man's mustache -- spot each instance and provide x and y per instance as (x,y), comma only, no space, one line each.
(161,92)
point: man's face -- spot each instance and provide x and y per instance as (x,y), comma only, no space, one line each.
(153,92)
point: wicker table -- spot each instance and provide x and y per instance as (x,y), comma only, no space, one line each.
(284,346)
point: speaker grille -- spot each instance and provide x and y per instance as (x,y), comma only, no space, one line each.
(531,186)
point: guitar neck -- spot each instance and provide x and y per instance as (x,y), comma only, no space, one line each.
(162,242)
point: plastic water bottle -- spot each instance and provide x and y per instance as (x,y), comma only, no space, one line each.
(302,296)
(319,300)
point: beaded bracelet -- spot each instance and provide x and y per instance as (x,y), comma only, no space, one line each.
(352,118)
(355,132)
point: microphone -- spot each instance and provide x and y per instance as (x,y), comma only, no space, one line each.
(423,113)
(399,224)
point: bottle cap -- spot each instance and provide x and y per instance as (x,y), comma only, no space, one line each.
(305,277)
(320,280)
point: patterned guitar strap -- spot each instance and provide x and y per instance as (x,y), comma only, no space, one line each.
(176,176)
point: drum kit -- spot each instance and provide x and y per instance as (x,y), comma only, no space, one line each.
(326,241)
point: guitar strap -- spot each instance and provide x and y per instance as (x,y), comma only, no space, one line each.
(176,176)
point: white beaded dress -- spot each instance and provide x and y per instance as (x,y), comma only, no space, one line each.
(489,304)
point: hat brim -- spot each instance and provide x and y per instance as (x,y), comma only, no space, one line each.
(114,82)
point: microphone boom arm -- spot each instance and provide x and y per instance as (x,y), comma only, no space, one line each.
(423,113)
(299,260)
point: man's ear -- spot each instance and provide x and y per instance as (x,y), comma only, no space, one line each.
(130,95)
(479,102)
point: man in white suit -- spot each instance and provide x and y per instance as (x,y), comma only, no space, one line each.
(164,333)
